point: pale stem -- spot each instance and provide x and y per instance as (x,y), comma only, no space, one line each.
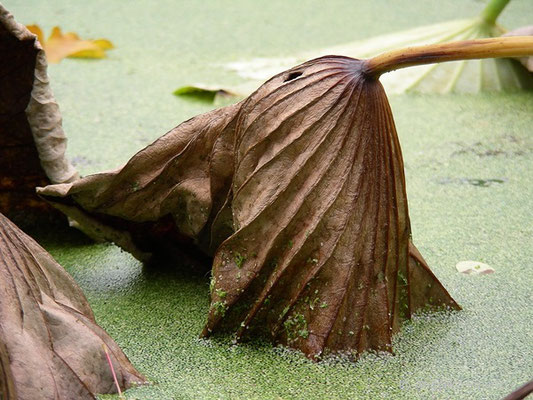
(515,46)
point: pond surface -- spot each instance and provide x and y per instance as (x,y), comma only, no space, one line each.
(469,176)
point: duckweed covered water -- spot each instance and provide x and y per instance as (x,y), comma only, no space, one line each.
(114,107)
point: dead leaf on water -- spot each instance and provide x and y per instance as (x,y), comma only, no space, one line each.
(60,45)
(298,192)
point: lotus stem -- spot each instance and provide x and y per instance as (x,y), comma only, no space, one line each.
(493,10)
(516,46)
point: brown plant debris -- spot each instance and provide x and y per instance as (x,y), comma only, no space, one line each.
(32,142)
(299,193)
(50,345)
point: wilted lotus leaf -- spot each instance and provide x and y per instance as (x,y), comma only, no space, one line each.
(32,142)
(50,345)
(321,257)
(318,253)
(299,191)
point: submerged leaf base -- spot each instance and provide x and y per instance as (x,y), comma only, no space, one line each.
(299,192)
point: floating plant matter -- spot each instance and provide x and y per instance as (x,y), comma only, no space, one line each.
(50,345)
(298,192)
(32,142)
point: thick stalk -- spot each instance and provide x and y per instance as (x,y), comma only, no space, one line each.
(493,10)
(516,46)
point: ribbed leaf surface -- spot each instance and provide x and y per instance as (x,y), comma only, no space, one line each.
(320,256)
(299,191)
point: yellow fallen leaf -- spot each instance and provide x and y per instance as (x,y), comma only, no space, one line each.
(36,30)
(60,45)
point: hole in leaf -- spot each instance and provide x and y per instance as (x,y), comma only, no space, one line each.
(293,75)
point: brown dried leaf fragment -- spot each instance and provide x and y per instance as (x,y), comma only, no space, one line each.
(50,345)
(32,142)
(165,199)
(521,393)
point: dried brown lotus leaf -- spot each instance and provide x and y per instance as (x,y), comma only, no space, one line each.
(32,142)
(321,258)
(299,191)
(303,184)
(50,344)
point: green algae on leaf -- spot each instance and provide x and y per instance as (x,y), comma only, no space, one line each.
(239,259)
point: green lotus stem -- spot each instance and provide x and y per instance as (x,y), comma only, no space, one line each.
(516,46)
(493,10)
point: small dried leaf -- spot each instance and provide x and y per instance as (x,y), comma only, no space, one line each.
(36,30)
(60,45)
(50,344)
